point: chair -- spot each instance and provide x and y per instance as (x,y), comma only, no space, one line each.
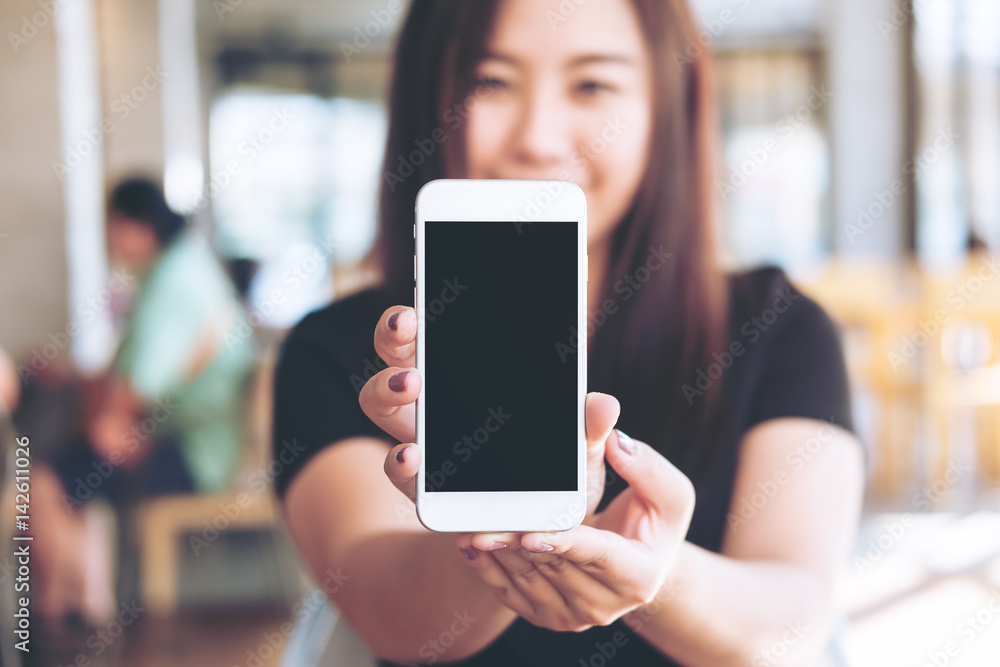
(162,522)
(963,363)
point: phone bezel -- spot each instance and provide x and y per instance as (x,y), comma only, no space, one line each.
(514,201)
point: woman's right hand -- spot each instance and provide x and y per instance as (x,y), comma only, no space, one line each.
(388,399)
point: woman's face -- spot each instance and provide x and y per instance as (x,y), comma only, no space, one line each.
(565,96)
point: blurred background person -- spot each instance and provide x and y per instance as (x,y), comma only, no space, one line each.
(166,417)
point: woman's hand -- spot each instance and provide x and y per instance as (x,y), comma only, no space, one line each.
(599,571)
(388,400)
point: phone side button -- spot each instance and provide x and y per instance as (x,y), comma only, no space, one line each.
(414,267)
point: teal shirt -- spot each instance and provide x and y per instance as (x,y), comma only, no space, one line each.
(186,292)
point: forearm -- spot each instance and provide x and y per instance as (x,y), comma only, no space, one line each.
(721,611)
(413,599)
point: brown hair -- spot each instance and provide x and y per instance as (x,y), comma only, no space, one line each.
(658,339)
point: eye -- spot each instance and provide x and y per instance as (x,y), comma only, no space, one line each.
(491,82)
(591,87)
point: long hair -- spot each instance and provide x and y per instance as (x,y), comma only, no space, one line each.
(666,331)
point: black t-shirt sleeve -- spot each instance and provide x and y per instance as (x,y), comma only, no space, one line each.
(323,364)
(803,373)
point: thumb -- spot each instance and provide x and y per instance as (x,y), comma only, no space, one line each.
(655,480)
(601,414)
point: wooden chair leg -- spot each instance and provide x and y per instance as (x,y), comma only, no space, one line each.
(996,446)
(989,443)
(159,563)
(942,422)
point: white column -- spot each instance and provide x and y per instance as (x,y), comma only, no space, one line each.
(184,162)
(865,40)
(83,130)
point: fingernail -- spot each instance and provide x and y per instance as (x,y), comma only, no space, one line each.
(625,443)
(398,381)
(496,545)
(541,548)
(468,552)
(393,318)
(401,455)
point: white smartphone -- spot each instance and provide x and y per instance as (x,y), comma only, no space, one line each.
(501,298)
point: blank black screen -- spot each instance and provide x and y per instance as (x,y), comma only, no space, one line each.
(500,400)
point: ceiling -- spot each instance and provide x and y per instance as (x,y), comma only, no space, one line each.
(752,19)
(327,24)
(317,24)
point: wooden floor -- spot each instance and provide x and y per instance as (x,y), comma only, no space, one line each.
(223,638)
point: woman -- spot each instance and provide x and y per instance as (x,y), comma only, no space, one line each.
(718,542)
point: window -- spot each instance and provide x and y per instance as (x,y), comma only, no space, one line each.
(293,186)
(957,159)
(773,184)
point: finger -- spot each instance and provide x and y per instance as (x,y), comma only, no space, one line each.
(388,400)
(506,548)
(495,576)
(601,415)
(396,335)
(401,466)
(531,584)
(494,541)
(582,591)
(609,558)
(654,479)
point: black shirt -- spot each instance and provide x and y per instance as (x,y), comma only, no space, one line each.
(788,363)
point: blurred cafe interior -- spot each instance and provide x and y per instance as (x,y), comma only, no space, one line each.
(860,153)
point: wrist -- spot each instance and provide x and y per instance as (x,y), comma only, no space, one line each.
(669,596)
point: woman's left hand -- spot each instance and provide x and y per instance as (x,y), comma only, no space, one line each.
(599,571)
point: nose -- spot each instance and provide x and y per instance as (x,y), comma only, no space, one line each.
(542,137)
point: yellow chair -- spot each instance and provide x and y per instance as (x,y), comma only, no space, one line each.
(163,522)
(963,363)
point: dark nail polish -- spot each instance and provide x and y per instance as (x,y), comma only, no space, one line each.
(393,318)
(398,381)
(401,455)
(469,553)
